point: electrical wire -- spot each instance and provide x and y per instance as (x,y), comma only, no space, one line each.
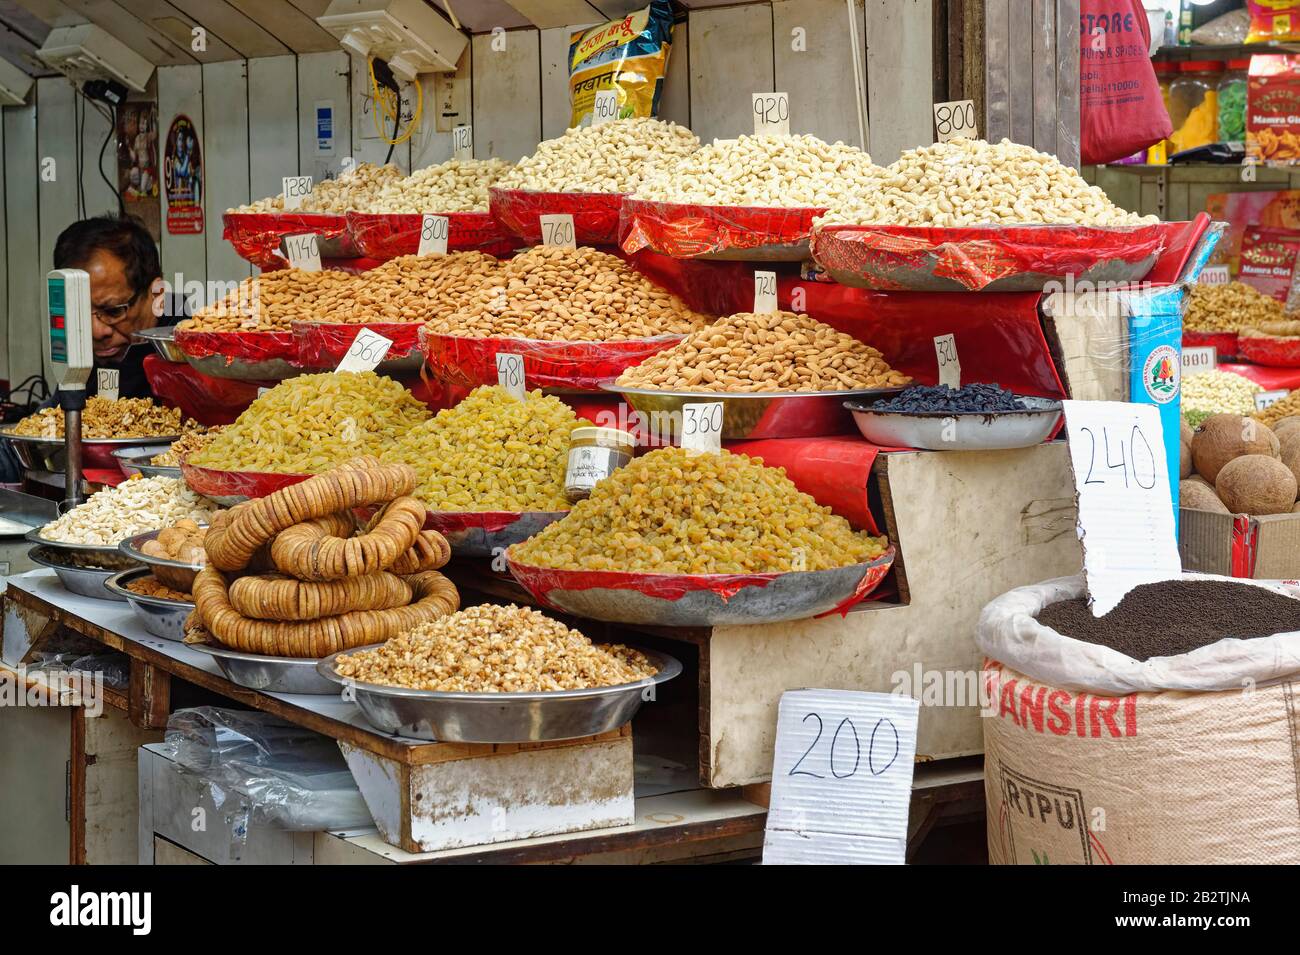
(79,136)
(111,119)
(388,105)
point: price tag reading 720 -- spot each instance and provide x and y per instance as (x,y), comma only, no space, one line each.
(367,351)
(702,426)
(764,293)
(510,374)
(557,229)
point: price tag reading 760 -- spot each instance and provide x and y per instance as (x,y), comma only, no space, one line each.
(557,229)
(702,426)
(510,374)
(366,352)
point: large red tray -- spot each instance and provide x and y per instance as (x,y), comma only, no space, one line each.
(386,237)
(256,236)
(744,233)
(244,356)
(1275,352)
(1225,344)
(231,487)
(595,214)
(322,345)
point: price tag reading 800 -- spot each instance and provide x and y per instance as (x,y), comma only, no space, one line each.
(303,251)
(366,352)
(510,374)
(955,119)
(557,229)
(433,235)
(702,426)
(772,114)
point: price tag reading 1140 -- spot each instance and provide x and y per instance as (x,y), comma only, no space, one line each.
(510,374)
(433,235)
(702,426)
(303,251)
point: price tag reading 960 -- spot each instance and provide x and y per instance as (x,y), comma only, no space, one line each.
(303,251)
(557,229)
(462,142)
(605,107)
(764,293)
(296,189)
(367,351)
(702,426)
(106,381)
(433,235)
(945,353)
(772,114)
(510,374)
(955,120)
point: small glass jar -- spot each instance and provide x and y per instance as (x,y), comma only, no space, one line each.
(1193,104)
(1232,102)
(595,454)
(1166,73)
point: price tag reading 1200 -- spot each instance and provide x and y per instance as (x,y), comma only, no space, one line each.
(367,351)
(702,426)
(772,114)
(557,229)
(433,235)
(510,374)
(303,251)
(106,380)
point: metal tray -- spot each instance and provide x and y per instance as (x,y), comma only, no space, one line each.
(501,717)
(173,573)
(269,674)
(86,581)
(89,551)
(268,372)
(163,339)
(163,618)
(134,460)
(49,454)
(812,414)
(959,431)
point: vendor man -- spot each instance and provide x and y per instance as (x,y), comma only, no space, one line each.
(127,292)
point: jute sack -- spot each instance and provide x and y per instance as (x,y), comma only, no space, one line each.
(1075,773)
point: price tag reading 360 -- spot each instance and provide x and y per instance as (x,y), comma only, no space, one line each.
(366,352)
(303,251)
(955,120)
(557,229)
(510,374)
(772,114)
(702,426)
(433,235)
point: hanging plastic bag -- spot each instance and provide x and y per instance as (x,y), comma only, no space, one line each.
(1120,104)
(629,56)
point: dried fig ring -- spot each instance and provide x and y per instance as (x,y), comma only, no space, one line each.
(307,551)
(276,597)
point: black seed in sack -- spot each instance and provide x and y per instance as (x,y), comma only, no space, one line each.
(973,398)
(1176,616)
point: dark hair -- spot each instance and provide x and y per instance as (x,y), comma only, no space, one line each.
(125,237)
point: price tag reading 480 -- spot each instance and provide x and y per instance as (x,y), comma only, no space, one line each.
(702,426)
(510,374)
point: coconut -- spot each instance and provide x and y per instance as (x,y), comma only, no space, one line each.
(1186,431)
(1283,425)
(1256,484)
(1222,437)
(1199,496)
(1184,459)
(1289,451)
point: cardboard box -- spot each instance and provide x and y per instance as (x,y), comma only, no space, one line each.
(1238,545)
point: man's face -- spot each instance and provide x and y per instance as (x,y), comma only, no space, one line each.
(109,288)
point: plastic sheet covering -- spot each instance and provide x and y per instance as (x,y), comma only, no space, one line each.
(921,258)
(1270,379)
(261,771)
(835,472)
(1224,343)
(1266,350)
(386,236)
(114,668)
(205,399)
(256,236)
(238,347)
(685,230)
(322,345)
(217,484)
(595,214)
(470,362)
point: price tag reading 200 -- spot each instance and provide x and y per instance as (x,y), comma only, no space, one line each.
(510,374)
(433,235)
(702,426)
(557,229)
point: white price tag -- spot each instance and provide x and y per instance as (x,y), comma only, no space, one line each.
(433,234)
(261,391)
(303,251)
(296,189)
(510,374)
(1126,511)
(764,293)
(1214,275)
(841,778)
(605,108)
(955,119)
(557,229)
(772,114)
(1200,358)
(366,352)
(106,379)
(702,426)
(462,142)
(1266,399)
(945,353)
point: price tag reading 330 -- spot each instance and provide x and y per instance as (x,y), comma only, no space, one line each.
(764,293)
(303,251)
(366,352)
(433,235)
(557,229)
(955,119)
(702,426)
(772,114)
(510,374)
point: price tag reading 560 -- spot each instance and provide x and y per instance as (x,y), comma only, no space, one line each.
(433,235)
(367,351)
(510,374)
(702,426)
(557,229)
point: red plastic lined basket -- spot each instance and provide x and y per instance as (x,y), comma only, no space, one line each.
(244,356)
(385,237)
(322,345)
(595,214)
(745,233)
(256,236)
(1275,352)
(1225,344)
(231,487)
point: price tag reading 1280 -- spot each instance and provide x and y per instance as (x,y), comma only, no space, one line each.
(702,426)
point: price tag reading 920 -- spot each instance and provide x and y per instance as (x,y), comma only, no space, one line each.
(764,293)
(106,382)
(772,114)
(433,235)
(366,352)
(702,426)
(462,142)
(954,120)
(605,107)
(296,189)
(303,251)
(557,229)
(510,374)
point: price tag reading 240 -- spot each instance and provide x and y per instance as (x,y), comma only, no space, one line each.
(510,374)
(702,426)
(303,251)
(557,229)
(433,235)
(772,114)
(366,352)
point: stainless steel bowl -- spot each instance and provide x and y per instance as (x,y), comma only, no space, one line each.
(135,459)
(92,553)
(172,573)
(86,581)
(49,454)
(161,617)
(269,674)
(959,431)
(163,339)
(266,372)
(770,415)
(501,717)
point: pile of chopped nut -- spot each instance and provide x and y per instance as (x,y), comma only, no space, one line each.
(133,507)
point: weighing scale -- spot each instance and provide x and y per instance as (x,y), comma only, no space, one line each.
(72,355)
